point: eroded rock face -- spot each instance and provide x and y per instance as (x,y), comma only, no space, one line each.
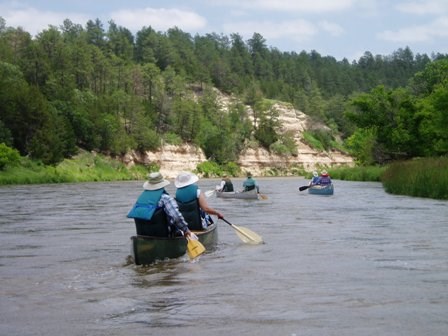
(173,159)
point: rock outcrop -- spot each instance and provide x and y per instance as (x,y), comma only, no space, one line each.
(259,161)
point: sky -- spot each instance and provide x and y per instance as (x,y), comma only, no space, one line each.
(337,28)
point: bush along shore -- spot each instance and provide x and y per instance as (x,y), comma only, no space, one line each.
(426,177)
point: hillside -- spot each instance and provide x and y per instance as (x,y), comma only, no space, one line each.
(259,161)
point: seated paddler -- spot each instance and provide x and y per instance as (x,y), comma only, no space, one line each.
(156,213)
(192,202)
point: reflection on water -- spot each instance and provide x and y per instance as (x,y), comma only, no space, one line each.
(358,262)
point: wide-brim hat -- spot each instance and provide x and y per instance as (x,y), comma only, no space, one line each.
(315,174)
(155,182)
(324,173)
(185,179)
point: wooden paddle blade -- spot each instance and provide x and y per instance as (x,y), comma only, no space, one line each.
(208,193)
(302,188)
(194,248)
(263,196)
(248,236)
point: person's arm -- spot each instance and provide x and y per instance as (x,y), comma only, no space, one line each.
(204,206)
(172,210)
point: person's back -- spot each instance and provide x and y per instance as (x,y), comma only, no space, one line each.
(192,203)
(250,183)
(315,180)
(228,185)
(155,213)
(324,178)
(187,199)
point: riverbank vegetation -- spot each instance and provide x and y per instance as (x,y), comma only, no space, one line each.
(107,91)
(85,167)
(419,177)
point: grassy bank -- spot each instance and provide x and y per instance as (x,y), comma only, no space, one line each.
(420,178)
(371,173)
(85,167)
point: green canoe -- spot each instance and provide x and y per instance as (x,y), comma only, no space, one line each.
(147,249)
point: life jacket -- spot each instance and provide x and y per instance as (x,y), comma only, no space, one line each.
(228,186)
(187,199)
(150,220)
(325,180)
(249,184)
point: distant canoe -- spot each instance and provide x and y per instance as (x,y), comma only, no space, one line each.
(147,249)
(321,189)
(252,194)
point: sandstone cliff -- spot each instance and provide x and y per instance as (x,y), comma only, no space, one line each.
(260,162)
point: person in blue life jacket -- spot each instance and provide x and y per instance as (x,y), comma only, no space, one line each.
(250,183)
(324,178)
(192,202)
(315,180)
(156,213)
(226,184)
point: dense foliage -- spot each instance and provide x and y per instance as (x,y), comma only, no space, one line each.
(422,178)
(74,87)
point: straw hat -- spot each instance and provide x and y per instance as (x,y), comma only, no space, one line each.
(315,174)
(324,173)
(155,182)
(185,179)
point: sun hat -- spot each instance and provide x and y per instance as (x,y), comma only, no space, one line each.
(324,173)
(185,179)
(315,174)
(155,182)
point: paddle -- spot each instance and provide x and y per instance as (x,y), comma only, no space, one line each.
(194,248)
(208,193)
(246,235)
(302,188)
(263,196)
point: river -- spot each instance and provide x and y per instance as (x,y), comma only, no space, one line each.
(360,262)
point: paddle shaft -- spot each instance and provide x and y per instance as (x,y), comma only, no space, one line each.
(302,188)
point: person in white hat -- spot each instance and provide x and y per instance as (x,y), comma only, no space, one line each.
(156,212)
(192,202)
(315,179)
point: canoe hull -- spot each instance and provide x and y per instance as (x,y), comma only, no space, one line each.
(321,190)
(252,194)
(147,249)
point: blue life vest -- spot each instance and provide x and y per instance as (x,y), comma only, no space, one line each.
(187,199)
(146,204)
(249,184)
(150,220)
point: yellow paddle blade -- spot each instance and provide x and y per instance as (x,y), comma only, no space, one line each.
(263,196)
(248,236)
(194,248)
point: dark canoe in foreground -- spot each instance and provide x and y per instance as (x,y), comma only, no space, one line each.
(252,194)
(147,249)
(321,190)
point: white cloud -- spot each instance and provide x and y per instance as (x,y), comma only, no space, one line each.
(299,30)
(34,21)
(424,7)
(289,5)
(418,33)
(331,28)
(159,19)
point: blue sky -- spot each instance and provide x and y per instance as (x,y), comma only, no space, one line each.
(338,28)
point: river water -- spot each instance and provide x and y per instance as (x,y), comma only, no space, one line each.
(360,262)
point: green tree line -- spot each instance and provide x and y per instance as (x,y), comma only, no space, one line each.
(107,90)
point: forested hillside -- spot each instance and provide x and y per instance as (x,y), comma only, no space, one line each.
(107,90)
